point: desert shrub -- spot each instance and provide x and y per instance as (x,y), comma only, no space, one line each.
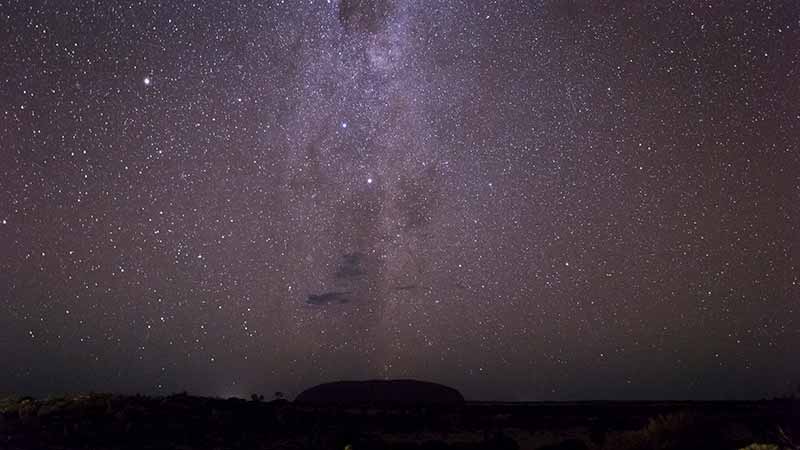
(761,447)
(665,432)
(569,444)
(9,404)
(27,410)
(51,407)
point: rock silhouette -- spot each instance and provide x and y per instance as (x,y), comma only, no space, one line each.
(381,392)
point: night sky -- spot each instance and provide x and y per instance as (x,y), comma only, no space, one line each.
(525,200)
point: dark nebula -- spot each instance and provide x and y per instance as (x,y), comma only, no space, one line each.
(328,298)
(525,200)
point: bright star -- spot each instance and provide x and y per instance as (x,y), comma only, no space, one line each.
(147,81)
(369,180)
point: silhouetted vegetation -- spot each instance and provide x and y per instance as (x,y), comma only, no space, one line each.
(182,421)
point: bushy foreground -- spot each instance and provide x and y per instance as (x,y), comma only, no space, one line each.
(186,422)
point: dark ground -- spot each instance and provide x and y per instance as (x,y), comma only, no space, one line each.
(181,421)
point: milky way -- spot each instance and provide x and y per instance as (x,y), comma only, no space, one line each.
(524,200)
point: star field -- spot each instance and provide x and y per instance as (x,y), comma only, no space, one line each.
(526,200)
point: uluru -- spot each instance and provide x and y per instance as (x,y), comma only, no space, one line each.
(399,392)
